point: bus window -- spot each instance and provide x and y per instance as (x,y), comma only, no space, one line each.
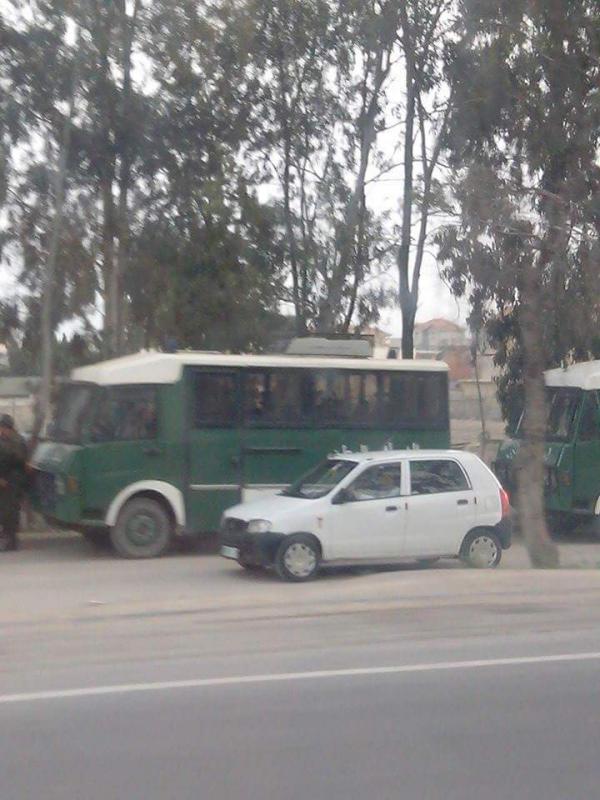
(562,411)
(278,398)
(330,393)
(361,398)
(70,413)
(214,400)
(430,397)
(126,413)
(412,399)
(588,424)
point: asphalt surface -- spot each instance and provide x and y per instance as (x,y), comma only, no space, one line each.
(463,712)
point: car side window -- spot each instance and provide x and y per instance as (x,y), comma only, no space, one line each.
(376,483)
(435,476)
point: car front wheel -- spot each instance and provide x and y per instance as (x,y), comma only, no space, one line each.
(481,549)
(298,558)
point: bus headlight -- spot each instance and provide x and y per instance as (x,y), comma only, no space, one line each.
(259,526)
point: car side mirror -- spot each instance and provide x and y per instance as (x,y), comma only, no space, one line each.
(343,496)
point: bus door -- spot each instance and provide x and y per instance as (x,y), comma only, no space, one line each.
(279,441)
(586,473)
(213,445)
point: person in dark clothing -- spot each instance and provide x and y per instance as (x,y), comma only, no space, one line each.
(13,478)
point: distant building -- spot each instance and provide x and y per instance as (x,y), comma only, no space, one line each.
(438,334)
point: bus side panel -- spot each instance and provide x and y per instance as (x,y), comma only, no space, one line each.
(274,457)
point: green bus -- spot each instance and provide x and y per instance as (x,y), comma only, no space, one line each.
(153,446)
(572,455)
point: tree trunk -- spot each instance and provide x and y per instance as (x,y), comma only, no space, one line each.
(111,288)
(542,550)
(409,312)
(42,407)
(408,303)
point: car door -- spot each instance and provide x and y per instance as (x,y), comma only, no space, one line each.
(369,523)
(441,508)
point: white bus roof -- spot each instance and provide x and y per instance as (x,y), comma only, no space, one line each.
(153,367)
(585,375)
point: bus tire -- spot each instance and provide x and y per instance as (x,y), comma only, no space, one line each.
(143,529)
(298,557)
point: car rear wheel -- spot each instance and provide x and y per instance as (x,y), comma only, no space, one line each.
(481,549)
(143,529)
(298,558)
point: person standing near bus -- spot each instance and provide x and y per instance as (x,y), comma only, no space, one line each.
(13,478)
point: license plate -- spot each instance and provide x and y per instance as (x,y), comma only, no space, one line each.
(230,552)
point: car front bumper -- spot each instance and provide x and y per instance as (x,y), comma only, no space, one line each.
(258,549)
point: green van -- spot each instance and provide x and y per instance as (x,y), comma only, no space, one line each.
(152,446)
(572,457)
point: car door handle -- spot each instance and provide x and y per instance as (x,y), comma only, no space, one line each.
(152,451)
(391,508)
(462,502)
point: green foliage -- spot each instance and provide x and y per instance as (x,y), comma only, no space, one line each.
(525,143)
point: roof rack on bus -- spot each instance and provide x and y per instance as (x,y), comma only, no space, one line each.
(334,346)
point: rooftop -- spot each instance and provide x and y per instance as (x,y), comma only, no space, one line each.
(439,324)
(154,367)
(585,375)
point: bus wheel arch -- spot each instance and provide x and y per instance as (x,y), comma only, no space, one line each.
(143,519)
(167,494)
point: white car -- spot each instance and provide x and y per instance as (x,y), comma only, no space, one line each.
(374,508)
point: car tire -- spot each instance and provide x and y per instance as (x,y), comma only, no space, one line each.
(143,529)
(481,549)
(298,558)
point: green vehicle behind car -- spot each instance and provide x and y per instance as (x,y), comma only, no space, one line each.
(152,446)
(572,447)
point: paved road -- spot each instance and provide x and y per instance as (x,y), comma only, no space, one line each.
(526,731)
(491,729)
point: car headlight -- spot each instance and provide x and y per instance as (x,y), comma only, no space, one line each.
(259,526)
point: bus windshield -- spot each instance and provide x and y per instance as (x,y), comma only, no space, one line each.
(321,480)
(70,413)
(561,409)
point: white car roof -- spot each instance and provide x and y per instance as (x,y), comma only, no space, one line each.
(394,455)
(154,367)
(585,375)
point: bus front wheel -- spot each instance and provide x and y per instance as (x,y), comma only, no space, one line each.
(143,529)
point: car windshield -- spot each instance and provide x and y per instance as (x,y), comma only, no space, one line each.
(321,480)
(561,411)
(71,410)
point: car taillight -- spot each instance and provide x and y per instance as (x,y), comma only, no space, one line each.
(504,502)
